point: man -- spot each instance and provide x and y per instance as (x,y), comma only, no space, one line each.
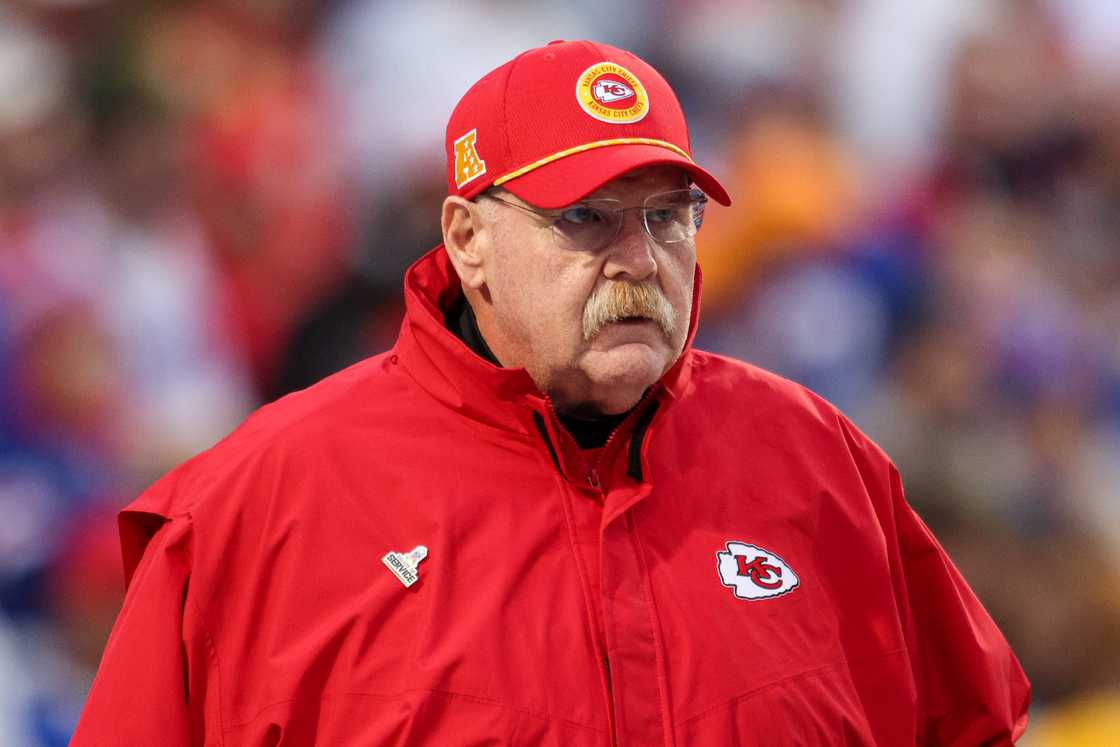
(541,518)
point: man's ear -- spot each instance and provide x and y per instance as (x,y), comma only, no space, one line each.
(462,223)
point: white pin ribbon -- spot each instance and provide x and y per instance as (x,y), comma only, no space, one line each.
(405,565)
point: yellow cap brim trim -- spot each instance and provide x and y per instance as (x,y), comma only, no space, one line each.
(590,146)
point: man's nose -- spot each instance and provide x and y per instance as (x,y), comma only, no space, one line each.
(632,253)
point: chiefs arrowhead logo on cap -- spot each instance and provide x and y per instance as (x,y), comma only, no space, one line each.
(607,91)
(754,573)
(611,93)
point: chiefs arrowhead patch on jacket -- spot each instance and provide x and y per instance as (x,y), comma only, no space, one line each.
(754,573)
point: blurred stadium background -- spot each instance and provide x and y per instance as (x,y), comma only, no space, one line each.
(205,205)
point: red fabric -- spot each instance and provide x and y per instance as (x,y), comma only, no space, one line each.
(260,612)
(528,109)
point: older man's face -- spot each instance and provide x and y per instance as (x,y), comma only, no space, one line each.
(593,328)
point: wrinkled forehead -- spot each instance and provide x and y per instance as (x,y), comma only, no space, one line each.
(634,186)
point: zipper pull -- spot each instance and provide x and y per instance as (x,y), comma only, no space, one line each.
(593,477)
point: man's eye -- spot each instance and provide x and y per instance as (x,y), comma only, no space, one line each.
(582,214)
(661,215)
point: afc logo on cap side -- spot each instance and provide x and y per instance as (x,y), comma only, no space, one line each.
(468,165)
(611,93)
(754,573)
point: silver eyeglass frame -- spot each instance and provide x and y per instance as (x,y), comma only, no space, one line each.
(607,205)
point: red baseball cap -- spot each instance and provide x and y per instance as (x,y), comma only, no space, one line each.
(557,122)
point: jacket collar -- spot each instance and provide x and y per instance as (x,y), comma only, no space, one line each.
(458,378)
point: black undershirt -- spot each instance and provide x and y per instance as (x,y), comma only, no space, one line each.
(589,433)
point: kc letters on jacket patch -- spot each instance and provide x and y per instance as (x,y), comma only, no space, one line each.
(754,573)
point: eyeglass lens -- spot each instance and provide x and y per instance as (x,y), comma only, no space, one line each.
(669,217)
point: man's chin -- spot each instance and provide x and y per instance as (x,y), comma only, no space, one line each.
(623,372)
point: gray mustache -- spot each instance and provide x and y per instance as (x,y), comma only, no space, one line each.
(616,301)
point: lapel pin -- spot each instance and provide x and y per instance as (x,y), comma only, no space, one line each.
(404,565)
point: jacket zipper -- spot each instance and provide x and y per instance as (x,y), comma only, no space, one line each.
(592,476)
(610,700)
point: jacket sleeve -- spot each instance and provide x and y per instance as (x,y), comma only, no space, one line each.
(974,690)
(156,652)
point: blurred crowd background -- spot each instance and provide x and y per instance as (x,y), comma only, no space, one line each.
(206,205)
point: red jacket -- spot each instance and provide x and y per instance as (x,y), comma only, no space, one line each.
(736,567)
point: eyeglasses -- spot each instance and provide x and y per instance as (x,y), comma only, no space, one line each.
(590,225)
